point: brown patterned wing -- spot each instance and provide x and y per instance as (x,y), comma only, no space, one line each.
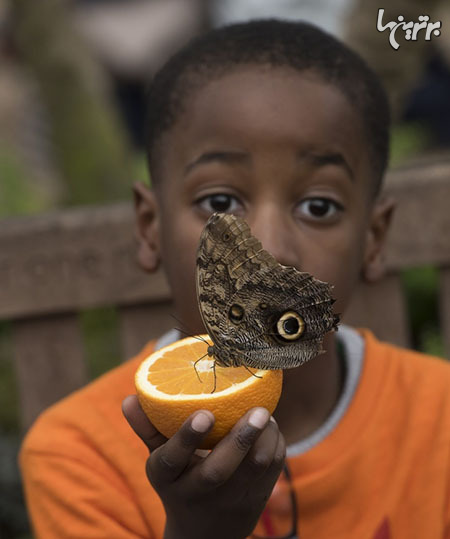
(257,312)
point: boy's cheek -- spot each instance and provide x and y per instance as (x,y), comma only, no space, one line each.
(344,281)
(342,268)
(179,254)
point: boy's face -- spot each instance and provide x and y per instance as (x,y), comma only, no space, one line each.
(283,150)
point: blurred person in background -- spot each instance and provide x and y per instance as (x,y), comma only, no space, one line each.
(416,76)
(28,178)
(330,15)
(91,67)
(131,38)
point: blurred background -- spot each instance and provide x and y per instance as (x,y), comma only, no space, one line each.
(72,79)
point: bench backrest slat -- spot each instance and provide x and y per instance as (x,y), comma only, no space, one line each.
(49,360)
(421,224)
(72,260)
(381,307)
(140,323)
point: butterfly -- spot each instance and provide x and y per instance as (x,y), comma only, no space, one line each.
(257,312)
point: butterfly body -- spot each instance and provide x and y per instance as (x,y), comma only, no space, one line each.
(257,312)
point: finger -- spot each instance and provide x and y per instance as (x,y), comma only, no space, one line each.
(169,461)
(261,489)
(260,456)
(225,458)
(141,425)
(267,481)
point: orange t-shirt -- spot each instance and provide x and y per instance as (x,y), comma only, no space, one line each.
(382,473)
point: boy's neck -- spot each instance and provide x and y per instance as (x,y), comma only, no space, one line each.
(310,393)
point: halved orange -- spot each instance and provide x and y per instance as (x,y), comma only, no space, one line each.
(174,382)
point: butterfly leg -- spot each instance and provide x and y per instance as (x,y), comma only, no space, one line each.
(196,372)
(252,373)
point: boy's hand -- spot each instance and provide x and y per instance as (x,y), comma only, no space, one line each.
(223,494)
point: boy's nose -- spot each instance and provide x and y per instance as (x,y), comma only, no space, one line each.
(276,236)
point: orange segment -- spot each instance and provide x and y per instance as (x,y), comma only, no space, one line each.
(182,381)
(179,379)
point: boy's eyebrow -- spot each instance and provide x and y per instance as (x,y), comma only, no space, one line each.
(332,158)
(228,157)
(232,157)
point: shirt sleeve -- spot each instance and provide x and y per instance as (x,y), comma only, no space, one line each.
(67,498)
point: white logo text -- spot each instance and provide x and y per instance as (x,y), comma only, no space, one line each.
(411,29)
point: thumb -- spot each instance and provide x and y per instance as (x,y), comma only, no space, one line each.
(141,425)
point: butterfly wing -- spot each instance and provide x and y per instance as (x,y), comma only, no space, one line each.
(227,254)
(292,296)
(247,299)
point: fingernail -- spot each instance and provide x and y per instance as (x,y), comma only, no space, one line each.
(201,422)
(202,452)
(258,418)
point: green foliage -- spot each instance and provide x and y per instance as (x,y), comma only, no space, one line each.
(9,397)
(407,140)
(432,342)
(91,146)
(18,194)
(422,297)
(101,336)
(13,515)
(140,169)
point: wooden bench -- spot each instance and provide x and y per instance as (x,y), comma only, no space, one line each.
(54,266)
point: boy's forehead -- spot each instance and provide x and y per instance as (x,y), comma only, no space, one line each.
(271,91)
(263,105)
(247,88)
(244,81)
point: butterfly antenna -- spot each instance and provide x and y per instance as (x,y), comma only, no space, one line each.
(197,337)
(201,339)
(183,332)
(188,333)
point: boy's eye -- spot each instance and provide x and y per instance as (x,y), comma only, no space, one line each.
(219,202)
(319,208)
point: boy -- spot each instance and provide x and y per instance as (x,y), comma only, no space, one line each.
(280,123)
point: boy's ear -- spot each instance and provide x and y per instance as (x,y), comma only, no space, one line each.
(374,267)
(147,227)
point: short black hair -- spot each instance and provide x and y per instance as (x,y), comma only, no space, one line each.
(271,42)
